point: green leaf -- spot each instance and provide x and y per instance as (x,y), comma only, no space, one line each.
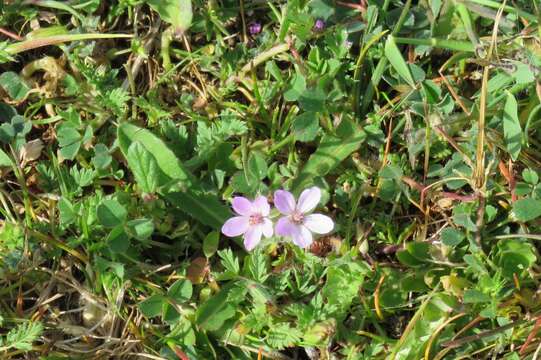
(67,212)
(141,229)
(144,167)
(205,207)
(297,87)
(202,206)
(111,213)
(5,160)
(166,160)
(24,335)
(210,243)
(117,240)
(180,291)
(212,314)
(14,85)
(312,100)
(512,132)
(451,237)
(153,305)
(530,176)
(392,53)
(305,126)
(69,140)
(526,209)
(176,12)
(472,296)
(101,159)
(332,150)
(257,166)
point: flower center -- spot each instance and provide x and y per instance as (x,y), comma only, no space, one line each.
(256,219)
(297,217)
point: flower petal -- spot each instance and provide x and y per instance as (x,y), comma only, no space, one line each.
(252,237)
(284,227)
(309,199)
(318,223)
(266,227)
(284,201)
(261,205)
(302,237)
(235,226)
(242,206)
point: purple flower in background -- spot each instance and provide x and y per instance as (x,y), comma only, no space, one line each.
(252,221)
(254,28)
(319,25)
(298,223)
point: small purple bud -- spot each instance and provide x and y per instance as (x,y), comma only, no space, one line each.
(319,25)
(254,28)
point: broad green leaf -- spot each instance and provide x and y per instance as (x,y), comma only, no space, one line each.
(176,12)
(69,140)
(451,237)
(472,296)
(205,207)
(5,160)
(117,240)
(111,213)
(144,167)
(296,87)
(67,211)
(166,160)
(210,243)
(332,150)
(180,291)
(526,209)
(14,85)
(212,314)
(257,166)
(392,53)
(305,126)
(202,206)
(512,132)
(153,305)
(101,159)
(312,100)
(141,229)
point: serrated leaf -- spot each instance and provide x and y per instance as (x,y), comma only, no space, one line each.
(24,335)
(392,53)
(512,131)
(144,167)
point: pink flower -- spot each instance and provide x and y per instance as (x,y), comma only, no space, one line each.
(298,223)
(252,221)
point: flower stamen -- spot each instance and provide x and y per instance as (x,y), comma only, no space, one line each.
(297,217)
(255,219)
